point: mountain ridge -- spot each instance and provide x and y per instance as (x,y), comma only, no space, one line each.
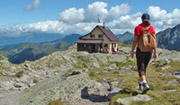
(15,52)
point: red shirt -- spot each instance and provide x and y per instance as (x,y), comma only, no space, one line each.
(138,30)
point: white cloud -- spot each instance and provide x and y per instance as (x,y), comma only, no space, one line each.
(82,20)
(33,6)
(161,19)
(72,15)
(95,9)
(125,23)
(91,14)
(61,27)
(11,31)
(47,26)
(118,11)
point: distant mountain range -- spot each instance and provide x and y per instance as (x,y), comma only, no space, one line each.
(126,38)
(31,37)
(42,44)
(167,39)
(18,53)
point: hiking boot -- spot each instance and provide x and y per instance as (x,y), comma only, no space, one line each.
(140,86)
(145,88)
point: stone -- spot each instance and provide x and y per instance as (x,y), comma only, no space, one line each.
(65,67)
(168,91)
(117,58)
(7,85)
(115,83)
(165,67)
(114,91)
(177,73)
(174,81)
(128,100)
(163,62)
(96,65)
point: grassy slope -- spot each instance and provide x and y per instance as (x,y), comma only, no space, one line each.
(158,84)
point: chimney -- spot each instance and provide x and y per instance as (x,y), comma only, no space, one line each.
(103,24)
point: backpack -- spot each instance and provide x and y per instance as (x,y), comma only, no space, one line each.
(147,41)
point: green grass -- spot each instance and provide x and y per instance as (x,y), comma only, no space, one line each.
(92,74)
(121,64)
(98,73)
(58,102)
(125,45)
(80,64)
(174,66)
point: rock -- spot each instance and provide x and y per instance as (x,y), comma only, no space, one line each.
(177,73)
(7,85)
(111,67)
(106,84)
(168,91)
(117,58)
(174,81)
(165,67)
(114,92)
(53,88)
(101,58)
(163,62)
(128,100)
(115,83)
(66,67)
(18,85)
(27,66)
(96,65)
(84,93)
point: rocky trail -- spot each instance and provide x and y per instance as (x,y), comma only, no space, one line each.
(80,78)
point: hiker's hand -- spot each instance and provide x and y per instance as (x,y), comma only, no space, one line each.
(155,56)
(132,55)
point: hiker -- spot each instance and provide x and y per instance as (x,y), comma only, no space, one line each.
(143,57)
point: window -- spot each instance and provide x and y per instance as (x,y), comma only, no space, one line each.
(100,36)
(105,45)
(114,44)
(92,36)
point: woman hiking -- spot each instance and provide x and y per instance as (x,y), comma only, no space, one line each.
(142,57)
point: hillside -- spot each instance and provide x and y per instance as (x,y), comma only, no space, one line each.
(79,78)
(32,51)
(169,38)
(126,38)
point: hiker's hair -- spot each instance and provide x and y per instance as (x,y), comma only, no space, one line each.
(146,22)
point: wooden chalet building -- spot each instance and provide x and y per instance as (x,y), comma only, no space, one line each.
(100,39)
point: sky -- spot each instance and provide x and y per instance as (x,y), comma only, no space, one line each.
(81,16)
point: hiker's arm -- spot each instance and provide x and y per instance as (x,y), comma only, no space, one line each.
(155,49)
(134,45)
(134,42)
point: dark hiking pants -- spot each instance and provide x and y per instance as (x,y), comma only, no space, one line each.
(143,59)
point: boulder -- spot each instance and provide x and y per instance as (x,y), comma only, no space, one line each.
(128,100)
